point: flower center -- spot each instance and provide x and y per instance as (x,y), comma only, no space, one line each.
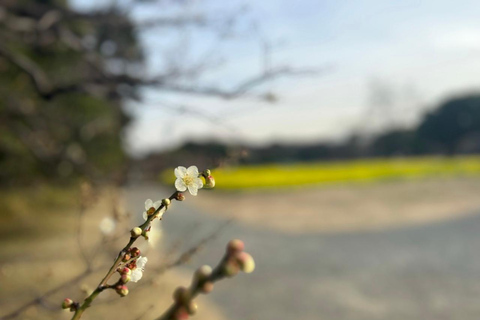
(188,180)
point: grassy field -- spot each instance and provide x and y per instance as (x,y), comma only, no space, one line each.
(301,174)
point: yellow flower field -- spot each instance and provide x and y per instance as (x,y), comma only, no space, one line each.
(298,174)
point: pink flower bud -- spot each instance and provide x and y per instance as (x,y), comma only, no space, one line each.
(246,262)
(125,278)
(209,182)
(235,246)
(181,314)
(122,290)
(135,252)
(179,196)
(125,270)
(207,287)
(67,303)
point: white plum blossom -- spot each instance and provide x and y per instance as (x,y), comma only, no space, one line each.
(150,204)
(107,225)
(188,179)
(154,236)
(137,274)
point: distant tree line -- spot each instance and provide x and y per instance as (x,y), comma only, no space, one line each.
(451,128)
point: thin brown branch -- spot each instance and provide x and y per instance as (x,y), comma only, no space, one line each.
(233,261)
(243,87)
(183,258)
(103,283)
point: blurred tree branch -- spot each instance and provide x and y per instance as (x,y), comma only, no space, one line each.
(59,65)
(41,21)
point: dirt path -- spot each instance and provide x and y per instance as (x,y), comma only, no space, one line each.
(428,271)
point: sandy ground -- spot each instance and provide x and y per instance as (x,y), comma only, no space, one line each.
(340,208)
(33,263)
(424,270)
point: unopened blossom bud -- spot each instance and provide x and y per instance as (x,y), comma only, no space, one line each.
(246,262)
(203,273)
(206,173)
(125,270)
(235,246)
(135,252)
(191,308)
(166,202)
(125,278)
(136,232)
(181,314)
(126,257)
(122,290)
(67,303)
(207,287)
(209,182)
(181,295)
(179,196)
(145,234)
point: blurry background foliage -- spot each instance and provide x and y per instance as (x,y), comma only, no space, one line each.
(61,116)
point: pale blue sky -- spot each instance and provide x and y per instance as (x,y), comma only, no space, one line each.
(415,52)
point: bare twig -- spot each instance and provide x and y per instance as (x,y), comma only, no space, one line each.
(103,283)
(234,260)
(242,87)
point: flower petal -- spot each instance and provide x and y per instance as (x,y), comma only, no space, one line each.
(192,171)
(136,275)
(141,262)
(145,215)
(157,204)
(180,172)
(193,189)
(148,204)
(154,237)
(161,212)
(198,182)
(180,185)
